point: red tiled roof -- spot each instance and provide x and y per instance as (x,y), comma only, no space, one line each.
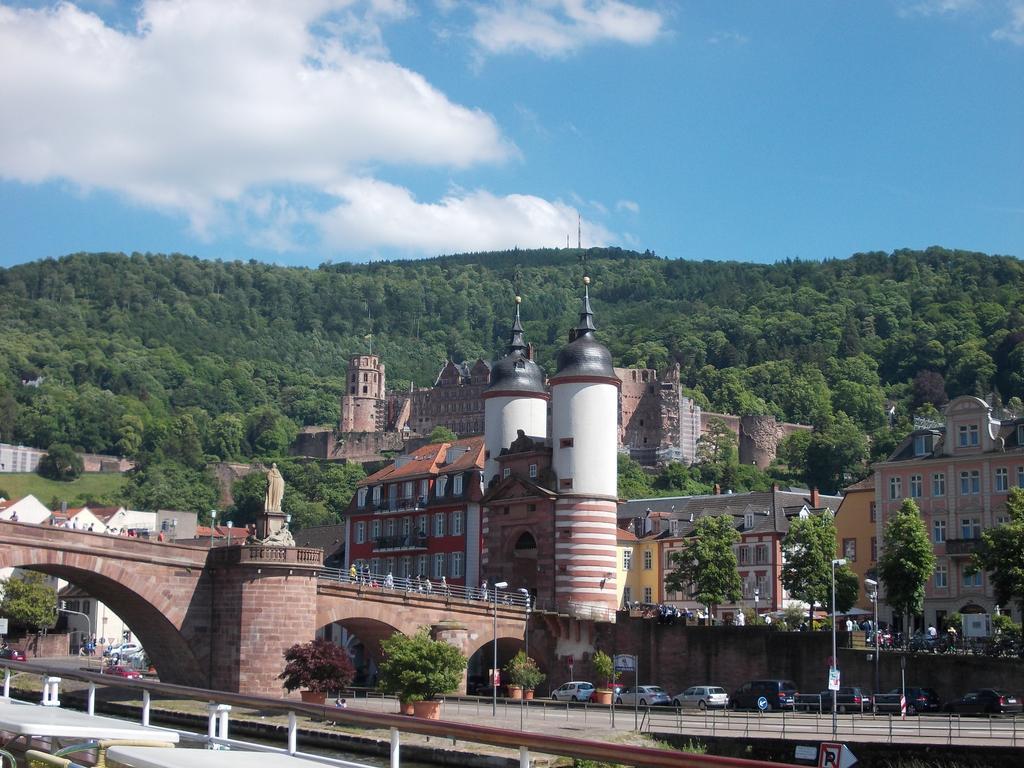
(867,484)
(429,460)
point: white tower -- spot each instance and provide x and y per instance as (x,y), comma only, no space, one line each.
(584,415)
(514,401)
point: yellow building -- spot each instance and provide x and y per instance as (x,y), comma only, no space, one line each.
(856,534)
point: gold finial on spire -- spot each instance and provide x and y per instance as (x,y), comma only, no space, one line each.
(519,299)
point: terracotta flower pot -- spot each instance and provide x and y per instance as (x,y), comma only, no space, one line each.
(406,708)
(515,692)
(528,694)
(602,696)
(431,710)
(313,697)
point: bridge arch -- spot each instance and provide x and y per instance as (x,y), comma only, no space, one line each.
(153,608)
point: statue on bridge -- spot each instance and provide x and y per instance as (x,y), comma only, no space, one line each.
(272,525)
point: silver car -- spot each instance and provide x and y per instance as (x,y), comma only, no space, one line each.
(703,697)
(645,696)
(574,690)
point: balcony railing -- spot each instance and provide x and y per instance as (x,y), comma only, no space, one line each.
(401,541)
(962,547)
(412,504)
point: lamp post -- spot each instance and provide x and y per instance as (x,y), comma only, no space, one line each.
(88,624)
(757,596)
(213,525)
(835,660)
(526,642)
(494,670)
(873,595)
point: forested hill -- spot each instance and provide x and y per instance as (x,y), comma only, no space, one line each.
(127,344)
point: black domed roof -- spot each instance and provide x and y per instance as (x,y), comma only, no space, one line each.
(585,355)
(515,371)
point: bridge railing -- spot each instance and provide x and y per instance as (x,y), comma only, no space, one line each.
(425,587)
(220,705)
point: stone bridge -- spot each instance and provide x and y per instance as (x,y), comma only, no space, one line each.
(222,618)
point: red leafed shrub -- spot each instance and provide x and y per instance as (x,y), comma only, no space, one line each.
(317,666)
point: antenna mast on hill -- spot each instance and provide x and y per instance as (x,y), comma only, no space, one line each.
(369,323)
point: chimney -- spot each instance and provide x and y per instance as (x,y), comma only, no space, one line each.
(775,487)
(718,489)
(814,498)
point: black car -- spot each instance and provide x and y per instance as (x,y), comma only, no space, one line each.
(777,694)
(919,700)
(848,699)
(985,701)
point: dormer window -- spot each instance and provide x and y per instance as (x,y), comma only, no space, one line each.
(376,494)
(457,485)
(748,521)
(968,436)
(922,445)
(442,485)
(361,498)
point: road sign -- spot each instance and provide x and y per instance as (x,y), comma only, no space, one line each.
(832,755)
(807,754)
(625,663)
(497,678)
(3,626)
(833,678)
(762,703)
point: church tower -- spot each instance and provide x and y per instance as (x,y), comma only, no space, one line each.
(584,415)
(514,401)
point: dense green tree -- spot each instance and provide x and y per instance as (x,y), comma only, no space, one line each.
(705,568)
(906,561)
(1002,553)
(836,455)
(441,434)
(170,485)
(677,479)
(29,600)
(847,590)
(61,462)
(808,550)
(634,483)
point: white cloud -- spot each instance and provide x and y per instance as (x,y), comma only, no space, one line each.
(1013,30)
(205,103)
(375,213)
(628,205)
(560,27)
(936,7)
(736,38)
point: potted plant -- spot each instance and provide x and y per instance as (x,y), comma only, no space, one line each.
(524,675)
(317,667)
(418,668)
(604,669)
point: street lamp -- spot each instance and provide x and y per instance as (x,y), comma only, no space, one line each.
(526,642)
(757,596)
(494,670)
(835,660)
(872,585)
(213,525)
(88,624)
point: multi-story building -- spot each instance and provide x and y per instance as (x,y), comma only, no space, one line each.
(856,540)
(420,515)
(762,519)
(959,473)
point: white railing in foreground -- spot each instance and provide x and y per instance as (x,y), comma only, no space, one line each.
(220,703)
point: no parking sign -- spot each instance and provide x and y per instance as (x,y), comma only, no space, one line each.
(832,755)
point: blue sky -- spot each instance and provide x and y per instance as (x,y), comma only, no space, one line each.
(302,131)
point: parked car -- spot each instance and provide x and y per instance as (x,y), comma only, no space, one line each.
(119,670)
(848,699)
(124,650)
(778,694)
(985,701)
(918,700)
(574,690)
(12,654)
(702,697)
(645,696)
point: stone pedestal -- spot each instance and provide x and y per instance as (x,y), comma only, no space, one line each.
(453,633)
(263,602)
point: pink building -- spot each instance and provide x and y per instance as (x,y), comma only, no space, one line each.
(959,473)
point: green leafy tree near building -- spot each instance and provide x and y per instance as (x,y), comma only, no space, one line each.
(29,601)
(61,462)
(706,568)
(907,560)
(1002,553)
(441,434)
(808,549)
